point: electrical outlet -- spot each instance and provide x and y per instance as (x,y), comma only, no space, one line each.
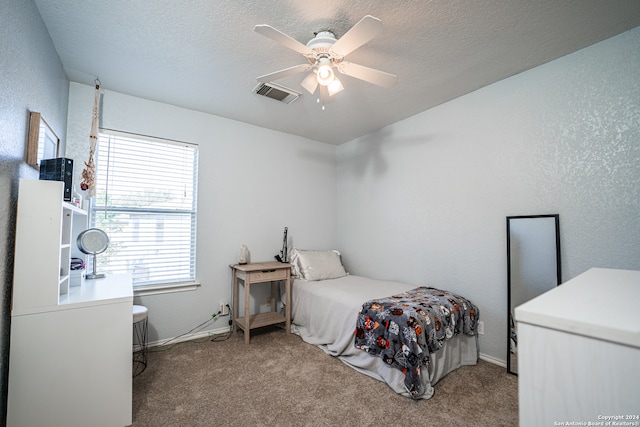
(224,309)
(480,327)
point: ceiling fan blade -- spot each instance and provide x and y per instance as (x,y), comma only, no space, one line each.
(284,73)
(310,83)
(367,74)
(366,29)
(283,39)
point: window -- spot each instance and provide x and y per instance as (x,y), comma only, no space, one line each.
(146,203)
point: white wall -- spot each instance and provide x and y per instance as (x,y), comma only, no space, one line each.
(252,183)
(31,79)
(425,200)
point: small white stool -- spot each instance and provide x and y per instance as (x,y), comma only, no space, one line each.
(140,320)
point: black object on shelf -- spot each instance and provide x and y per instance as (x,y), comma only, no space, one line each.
(60,169)
(77,264)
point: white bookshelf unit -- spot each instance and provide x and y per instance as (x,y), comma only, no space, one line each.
(43,244)
(70,348)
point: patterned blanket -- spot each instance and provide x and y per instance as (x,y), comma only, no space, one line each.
(403,329)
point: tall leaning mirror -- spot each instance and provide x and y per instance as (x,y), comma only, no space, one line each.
(533,267)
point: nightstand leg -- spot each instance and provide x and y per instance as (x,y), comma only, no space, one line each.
(247,310)
(273,297)
(287,309)
(234,312)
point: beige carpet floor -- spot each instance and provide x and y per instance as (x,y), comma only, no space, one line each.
(279,380)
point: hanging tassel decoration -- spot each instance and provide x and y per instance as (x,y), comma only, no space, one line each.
(89,172)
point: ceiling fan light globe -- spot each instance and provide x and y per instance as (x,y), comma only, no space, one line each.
(334,87)
(310,83)
(325,74)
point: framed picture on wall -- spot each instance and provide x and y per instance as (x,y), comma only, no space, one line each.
(43,141)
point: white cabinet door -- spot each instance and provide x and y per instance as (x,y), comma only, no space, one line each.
(71,367)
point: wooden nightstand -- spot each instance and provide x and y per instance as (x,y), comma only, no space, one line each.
(260,272)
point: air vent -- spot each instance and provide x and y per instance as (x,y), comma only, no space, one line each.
(279,93)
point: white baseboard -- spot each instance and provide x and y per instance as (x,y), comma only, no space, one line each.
(493,360)
(190,337)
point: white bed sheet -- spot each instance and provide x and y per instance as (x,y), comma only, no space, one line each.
(324,314)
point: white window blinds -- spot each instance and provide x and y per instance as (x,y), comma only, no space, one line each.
(146,203)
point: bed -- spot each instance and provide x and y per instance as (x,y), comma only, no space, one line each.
(328,304)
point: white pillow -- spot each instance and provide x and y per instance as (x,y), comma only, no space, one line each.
(317,265)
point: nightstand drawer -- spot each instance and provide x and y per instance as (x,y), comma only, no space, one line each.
(267,275)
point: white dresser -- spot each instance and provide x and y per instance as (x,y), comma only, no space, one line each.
(579,351)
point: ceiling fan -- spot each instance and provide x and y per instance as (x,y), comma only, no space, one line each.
(324,53)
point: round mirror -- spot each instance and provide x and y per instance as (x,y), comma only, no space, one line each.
(92,242)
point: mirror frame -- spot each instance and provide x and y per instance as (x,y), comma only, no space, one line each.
(43,142)
(558,272)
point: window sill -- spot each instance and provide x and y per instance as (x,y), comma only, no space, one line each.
(165,288)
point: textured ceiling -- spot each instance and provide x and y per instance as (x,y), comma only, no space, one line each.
(204,55)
